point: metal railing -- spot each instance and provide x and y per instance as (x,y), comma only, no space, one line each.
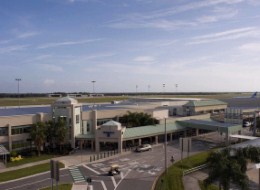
(185,172)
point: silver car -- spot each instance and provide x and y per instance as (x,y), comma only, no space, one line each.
(144,147)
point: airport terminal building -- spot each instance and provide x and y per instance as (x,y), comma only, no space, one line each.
(97,127)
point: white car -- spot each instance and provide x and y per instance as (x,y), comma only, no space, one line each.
(144,147)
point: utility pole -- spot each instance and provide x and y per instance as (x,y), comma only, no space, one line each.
(165,145)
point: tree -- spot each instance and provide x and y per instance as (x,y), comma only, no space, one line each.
(50,133)
(60,132)
(38,135)
(227,168)
(135,119)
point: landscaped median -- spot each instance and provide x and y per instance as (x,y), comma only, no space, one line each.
(24,172)
(173,179)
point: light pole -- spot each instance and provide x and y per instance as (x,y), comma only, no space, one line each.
(176,85)
(136,86)
(93,82)
(148,88)
(165,145)
(18,86)
(163,87)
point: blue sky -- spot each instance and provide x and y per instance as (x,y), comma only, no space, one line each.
(128,45)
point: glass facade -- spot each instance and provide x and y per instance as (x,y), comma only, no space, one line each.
(20,144)
(21,129)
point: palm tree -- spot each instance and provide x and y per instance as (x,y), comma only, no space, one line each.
(60,133)
(50,133)
(135,119)
(38,135)
(227,168)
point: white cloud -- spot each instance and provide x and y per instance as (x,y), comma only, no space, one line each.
(52,68)
(13,48)
(144,59)
(251,47)
(226,35)
(48,82)
(66,43)
(165,19)
(221,15)
(27,34)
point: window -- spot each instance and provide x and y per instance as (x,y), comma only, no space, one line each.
(88,127)
(3,131)
(77,118)
(21,129)
(20,144)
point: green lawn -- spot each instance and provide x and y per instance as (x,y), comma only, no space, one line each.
(16,174)
(173,179)
(48,101)
(61,187)
(29,160)
(210,187)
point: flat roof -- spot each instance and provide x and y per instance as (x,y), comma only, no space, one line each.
(211,125)
(24,110)
(150,130)
(255,142)
(243,102)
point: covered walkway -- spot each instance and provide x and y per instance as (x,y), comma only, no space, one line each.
(4,153)
(210,125)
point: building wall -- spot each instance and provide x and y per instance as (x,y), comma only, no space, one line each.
(10,139)
(209,108)
(77,121)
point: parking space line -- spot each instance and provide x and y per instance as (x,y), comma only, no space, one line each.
(91,169)
(102,183)
(122,178)
(114,181)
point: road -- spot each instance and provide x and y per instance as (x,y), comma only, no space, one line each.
(138,170)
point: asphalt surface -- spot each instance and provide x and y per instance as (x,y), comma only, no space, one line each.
(138,170)
(35,182)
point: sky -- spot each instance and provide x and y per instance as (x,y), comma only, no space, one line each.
(129,46)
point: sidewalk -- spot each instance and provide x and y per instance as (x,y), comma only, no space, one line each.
(74,159)
(190,181)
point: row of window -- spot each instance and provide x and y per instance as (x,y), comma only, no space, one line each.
(15,130)
(21,129)
(20,144)
(3,131)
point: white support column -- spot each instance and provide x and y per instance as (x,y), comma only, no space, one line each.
(227,139)
(197,132)
(10,137)
(139,141)
(156,139)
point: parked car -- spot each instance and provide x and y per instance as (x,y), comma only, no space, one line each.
(144,147)
(114,170)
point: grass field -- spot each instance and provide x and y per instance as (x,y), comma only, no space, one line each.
(29,160)
(47,101)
